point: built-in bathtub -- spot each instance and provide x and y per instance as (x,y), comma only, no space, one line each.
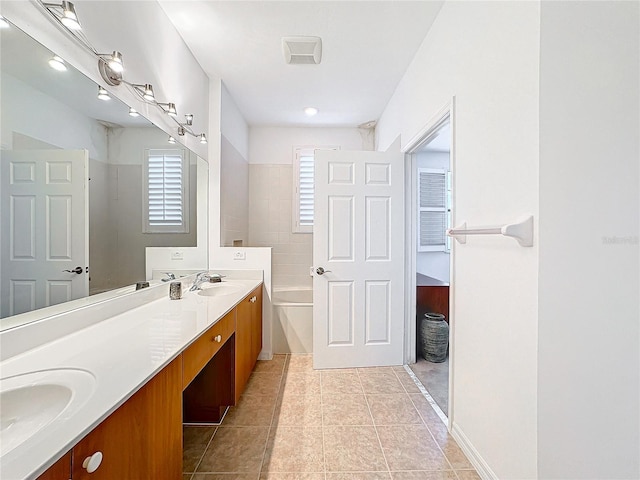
(292,320)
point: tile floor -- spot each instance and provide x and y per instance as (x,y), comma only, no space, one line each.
(296,423)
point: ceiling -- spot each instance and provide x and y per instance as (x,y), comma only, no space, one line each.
(366,49)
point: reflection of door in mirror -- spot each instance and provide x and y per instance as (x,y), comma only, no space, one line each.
(44,240)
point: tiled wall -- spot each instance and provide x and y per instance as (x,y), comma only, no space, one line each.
(270,193)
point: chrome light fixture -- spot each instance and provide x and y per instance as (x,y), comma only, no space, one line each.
(170,110)
(57,63)
(110,66)
(103,94)
(65,13)
(171,140)
(133,112)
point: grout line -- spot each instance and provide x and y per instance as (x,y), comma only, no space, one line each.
(373,422)
(426,395)
(195,469)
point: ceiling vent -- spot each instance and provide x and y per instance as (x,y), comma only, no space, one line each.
(302,50)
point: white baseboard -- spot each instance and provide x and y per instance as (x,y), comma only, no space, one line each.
(472,454)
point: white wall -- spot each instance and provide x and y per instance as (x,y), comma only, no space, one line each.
(589,364)
(486,54)
(271,184)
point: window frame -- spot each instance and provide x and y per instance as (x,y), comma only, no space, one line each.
(147,226)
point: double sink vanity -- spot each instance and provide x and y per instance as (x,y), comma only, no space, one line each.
(109,400)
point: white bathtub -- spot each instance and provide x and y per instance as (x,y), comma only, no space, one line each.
(292,320)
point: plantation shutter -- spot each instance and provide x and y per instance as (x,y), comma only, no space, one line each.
(433,215)
(305,191)
(166,192)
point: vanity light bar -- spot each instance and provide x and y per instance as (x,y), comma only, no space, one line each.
(111,66)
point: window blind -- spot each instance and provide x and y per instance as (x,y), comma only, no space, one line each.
(433,215)
(166,191)
(305,190)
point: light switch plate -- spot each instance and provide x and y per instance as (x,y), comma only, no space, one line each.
(239,255)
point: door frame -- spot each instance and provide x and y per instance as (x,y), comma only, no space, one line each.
(426,133)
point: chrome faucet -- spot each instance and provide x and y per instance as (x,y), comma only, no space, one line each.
(170,276)
(201,277)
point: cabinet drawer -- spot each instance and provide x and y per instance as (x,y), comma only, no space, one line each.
(196,356)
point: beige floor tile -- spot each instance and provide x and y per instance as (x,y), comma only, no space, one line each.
(352,449)
(292,476)
(235,450)
(186,476)
(407,382)
(449,446)
(225,476)
(252,410)
(381,383)
(194,442)
(294,449)
(359,476)
(338,381)
(468,475)
(437,475)
(426,411)
(301,383)
(410,447)
(393,409)
(276,365)
(299,411)
(374,370)
(300,362)
(341,409)
(263,384)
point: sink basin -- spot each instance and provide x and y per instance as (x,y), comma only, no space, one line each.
(37,400)
(222,288)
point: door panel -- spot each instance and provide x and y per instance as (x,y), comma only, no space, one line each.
(358,302)
(44,199)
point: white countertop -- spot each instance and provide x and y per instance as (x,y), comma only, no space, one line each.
(122,353)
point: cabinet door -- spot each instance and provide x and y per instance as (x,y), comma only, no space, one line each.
(142,438)
(243,345)
(61,470)
(256,325)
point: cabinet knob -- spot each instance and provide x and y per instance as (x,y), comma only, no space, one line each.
(217,338)
(253,299)
(92,463)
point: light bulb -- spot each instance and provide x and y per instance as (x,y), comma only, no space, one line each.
(103,94)
(133,112)
(189,118)
(171,110)
(148,92)
(171,139)
(57,63)
(69,18)
(115,62)
(203,138)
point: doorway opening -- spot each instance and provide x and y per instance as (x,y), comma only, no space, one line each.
(429,268)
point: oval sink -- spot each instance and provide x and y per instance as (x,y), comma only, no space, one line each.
(221,288)
(32,401)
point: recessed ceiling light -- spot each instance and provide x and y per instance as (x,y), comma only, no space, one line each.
(57,63)
(310,111)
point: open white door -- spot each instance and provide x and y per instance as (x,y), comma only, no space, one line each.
(45,229)
(358,240)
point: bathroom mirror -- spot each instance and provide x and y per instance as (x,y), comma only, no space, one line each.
(74,178)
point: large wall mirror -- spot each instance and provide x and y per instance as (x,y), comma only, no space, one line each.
(79,191)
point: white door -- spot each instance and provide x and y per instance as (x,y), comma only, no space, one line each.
(44,237)
(358,239)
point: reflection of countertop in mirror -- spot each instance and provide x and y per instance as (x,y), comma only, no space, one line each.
(122,353)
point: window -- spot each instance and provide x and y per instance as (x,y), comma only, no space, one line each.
(166,191)
(303,195)
(434,197)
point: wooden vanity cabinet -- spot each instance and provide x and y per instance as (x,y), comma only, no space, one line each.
(61,470)
(142,438)
(248,338)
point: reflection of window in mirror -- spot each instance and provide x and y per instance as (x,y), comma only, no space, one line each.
(166,191)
